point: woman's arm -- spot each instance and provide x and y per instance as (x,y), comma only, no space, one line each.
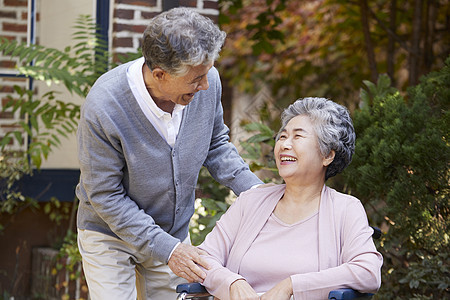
(360,262)
(218,244)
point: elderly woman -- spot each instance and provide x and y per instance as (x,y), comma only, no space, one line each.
(301,238)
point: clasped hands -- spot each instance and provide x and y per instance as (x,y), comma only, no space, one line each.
(240,289)
(185,262)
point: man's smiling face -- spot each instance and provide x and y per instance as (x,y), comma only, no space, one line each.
(181,90)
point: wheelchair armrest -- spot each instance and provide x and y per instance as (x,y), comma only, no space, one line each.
(346,294)
(340,294)
(191,288)
(376,232)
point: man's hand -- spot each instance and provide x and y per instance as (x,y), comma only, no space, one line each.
(240,289)
(282,291)
(185,261)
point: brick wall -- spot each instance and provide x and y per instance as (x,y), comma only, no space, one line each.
(13,25)
(130,18)
(128,21)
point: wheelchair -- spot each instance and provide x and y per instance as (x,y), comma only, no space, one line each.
(196,291)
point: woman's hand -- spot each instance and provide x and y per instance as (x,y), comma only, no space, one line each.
(240,290)
(282,291)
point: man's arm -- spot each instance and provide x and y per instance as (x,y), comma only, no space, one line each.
(223,160)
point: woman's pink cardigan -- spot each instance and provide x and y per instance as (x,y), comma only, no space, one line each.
(347,254)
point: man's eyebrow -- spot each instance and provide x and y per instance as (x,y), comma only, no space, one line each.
(198,77)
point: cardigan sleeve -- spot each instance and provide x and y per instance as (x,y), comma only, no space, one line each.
(218,244)
(223,160)
(359,262)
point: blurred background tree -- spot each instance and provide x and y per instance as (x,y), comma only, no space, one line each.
(328,47)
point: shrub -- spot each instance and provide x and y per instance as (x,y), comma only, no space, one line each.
(400,172)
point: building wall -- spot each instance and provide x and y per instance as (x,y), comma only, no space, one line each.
(56,18)
(13,25)
(54,30)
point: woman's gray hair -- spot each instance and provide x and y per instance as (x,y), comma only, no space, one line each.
(179,38)
(333,126)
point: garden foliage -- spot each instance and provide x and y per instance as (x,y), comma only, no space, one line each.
(400,171)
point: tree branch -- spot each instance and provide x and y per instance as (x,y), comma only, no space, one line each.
(414,60)
(368,40)
(390,57)
(390,32)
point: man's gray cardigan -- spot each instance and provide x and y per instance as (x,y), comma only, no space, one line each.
(136,187)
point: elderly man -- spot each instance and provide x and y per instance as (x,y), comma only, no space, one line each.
(146,129)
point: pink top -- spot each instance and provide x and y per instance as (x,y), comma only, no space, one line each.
(345,257)
(262,269)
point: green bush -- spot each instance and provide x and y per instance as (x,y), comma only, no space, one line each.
(400,172)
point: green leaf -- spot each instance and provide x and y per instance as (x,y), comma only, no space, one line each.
(258,138)
(18,136)
(5,141)
(34,122)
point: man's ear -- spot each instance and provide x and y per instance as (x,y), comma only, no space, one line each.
(159,74)
(329,158)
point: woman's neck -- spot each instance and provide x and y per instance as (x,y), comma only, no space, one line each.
(298,203)
(303,193)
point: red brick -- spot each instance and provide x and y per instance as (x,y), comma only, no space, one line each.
(6,89)
(214,18)
(16,2)
(148,3)
(8,14)
(132,28)
(188,3)
(7,64)
(25,16)
(14,79)
(123,42)
(6,115)
(148,15)
(124,14)
(9,37)
(14,27)
(5,101)
(211,5)
(9,126)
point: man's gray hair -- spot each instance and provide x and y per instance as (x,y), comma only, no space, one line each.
(179,38)
(333,126)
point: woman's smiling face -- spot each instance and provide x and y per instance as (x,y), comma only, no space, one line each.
(297,152)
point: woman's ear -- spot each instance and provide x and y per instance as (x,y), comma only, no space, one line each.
(329,158)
